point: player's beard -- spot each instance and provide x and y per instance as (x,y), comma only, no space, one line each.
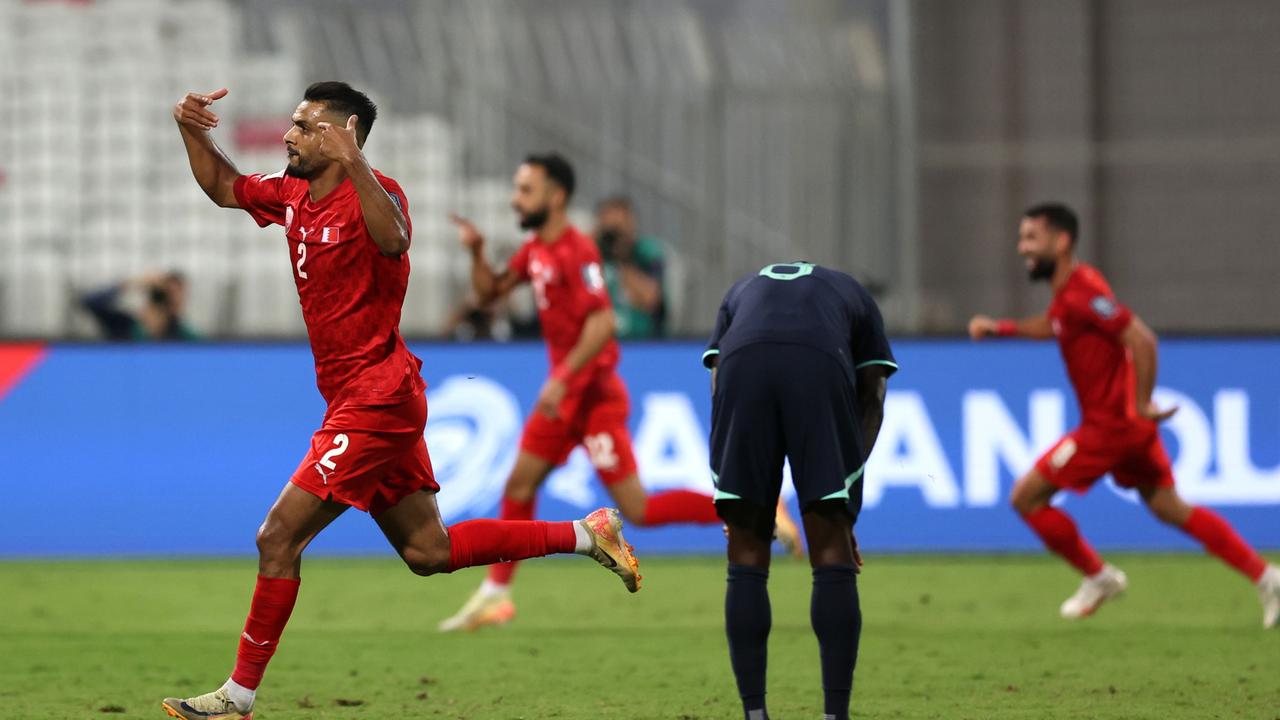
(534,220)
(1043,269)
(301,169)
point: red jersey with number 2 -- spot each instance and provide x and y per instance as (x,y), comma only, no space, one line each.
(351,294)
(568,285)
(1088,322)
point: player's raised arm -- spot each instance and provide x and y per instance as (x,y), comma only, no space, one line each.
(489,285)
(384,219)
(1037,327)
(210,166)
(1141,343)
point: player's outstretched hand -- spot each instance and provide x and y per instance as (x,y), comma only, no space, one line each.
(1153,412)
(981,326)
(193,112)
(468,235)
(553,391)
(338,143)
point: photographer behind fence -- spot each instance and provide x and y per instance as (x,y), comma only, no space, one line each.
(163,296)
(633,269)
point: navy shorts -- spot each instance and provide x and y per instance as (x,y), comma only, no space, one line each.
(776,401)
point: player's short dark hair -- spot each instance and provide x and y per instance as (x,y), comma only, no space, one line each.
(1058,216)
(342,99)
(556,168)
(618,201)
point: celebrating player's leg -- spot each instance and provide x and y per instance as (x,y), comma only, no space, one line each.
(779,391)
(350,267)
(1111,359)
(584,401)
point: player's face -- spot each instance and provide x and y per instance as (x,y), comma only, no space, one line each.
(302,142)
(1038,246)
(531,196)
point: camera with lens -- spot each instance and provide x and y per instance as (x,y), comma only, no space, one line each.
(608,240)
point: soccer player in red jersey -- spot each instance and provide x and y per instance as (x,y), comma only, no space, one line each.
(583,401)
(348,231)
(1111,360)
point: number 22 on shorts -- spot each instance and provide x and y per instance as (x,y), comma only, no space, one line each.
(340,443)
(601,450)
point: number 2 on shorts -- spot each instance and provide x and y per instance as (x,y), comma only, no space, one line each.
(340,442)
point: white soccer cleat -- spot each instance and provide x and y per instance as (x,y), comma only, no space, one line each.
(1094,590)
(216,705)
(486,607)
(1269,594)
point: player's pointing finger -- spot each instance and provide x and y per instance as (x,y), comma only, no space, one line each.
(208,99)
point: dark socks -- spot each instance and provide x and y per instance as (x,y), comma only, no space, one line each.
(837,621)
(747,619)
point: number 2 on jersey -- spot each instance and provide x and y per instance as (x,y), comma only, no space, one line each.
(302,257)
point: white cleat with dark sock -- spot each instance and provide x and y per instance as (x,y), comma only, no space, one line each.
(1094,590)
(1269,594)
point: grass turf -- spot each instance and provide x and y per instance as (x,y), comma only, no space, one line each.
(944,637)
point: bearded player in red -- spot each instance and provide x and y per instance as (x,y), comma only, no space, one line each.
(348,231)
(583,402)
(1111,361)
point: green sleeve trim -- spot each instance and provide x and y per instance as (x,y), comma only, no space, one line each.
(708,354)
(890,363)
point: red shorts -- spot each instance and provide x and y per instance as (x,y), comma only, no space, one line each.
(1135,458)
(596,418)
(369,457)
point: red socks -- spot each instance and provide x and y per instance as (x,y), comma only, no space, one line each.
(485,542)
(501,573)
(273,600)
(1059,533)
(680,506)
(1219,538)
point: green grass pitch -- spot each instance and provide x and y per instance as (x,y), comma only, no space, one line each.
(944,637)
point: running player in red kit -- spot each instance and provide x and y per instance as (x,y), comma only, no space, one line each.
(348,231)
(583,402)
(1111,361)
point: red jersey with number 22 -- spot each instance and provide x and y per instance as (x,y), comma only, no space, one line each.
(568,285)
(351,294)
(1088,322)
